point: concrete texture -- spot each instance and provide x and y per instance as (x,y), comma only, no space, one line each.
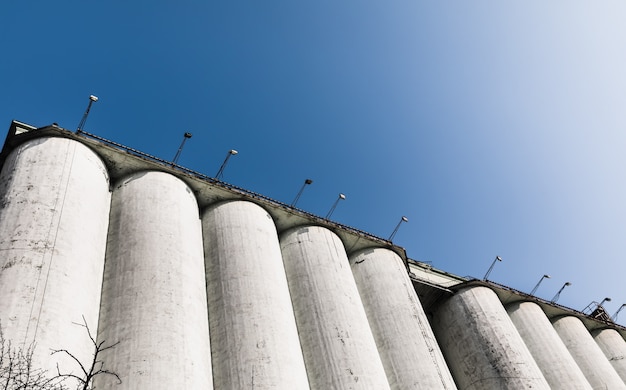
(482,346)
(551,355)
(276,308)
(337,343)
(614,348)
(154,295)
(400,327)
(54,205)
(254,339)
(587,354)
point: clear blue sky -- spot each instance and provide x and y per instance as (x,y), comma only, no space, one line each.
(497,128)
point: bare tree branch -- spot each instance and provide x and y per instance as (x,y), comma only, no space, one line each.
(17,371)
(97,366)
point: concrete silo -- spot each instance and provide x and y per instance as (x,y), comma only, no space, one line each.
(254,339)
(481,345)
(337,343)
(54,206)
(587,354)
(551,355)
(406,343)
(288,313)
(154,295)
(614,348)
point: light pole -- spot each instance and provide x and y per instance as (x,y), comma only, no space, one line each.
(332,209)
(498,258)
(220,172)
(558,294)
(538,283)
(607,299)
(614,318)
(92,100)
(306,183)
(403,219)
(186,136)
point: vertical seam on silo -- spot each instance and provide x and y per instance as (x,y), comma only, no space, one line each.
(56,233)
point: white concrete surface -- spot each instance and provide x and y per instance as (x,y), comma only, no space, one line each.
(54,215)
(482,347)
(587,354)
(337,343)
(547,348)
(54,205)
(400,327)
(614,348)
(254,339)
(435,276)
(154,294)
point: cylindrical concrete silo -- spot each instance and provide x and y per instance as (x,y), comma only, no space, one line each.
(154,294)
(254,339)
(587,354)
(481,345)
(551,355)
(54,207)
(337,343)
(614,348)
(406,343)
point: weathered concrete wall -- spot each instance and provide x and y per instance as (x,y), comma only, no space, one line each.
(482,346)
(614,348)
(280,321)
(406,343)
(337,343)
(587,354)
(154,294)
(54,205)
(254,339)
(547,348)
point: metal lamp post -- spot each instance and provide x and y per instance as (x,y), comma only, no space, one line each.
(92,100)
(538,283)
(332,209)
(403,219)
(220,172)
(306,183)
(558,294)
(498,258)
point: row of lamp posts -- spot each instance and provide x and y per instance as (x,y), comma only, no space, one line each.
(558,294)
(232,152)
(220,172)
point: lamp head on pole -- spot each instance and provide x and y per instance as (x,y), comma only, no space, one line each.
(607,299)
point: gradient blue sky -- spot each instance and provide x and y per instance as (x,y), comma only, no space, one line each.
(497,128)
